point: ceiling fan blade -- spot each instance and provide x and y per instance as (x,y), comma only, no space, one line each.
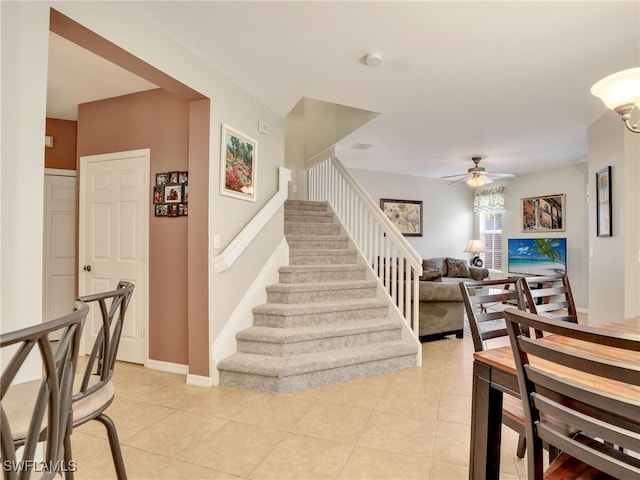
(464,177)
(461,175)
(502,175)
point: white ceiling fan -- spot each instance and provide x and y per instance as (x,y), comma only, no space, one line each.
(477,176)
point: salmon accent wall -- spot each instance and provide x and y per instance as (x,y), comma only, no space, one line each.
(157,120)
(63,153)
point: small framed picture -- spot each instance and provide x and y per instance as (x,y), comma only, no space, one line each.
(604,208)
(183,177)
(158,195)
(172,210)
(185,194)
(406,215)
(162,178)
(161,210)
(183,210)
(172,194)
(173,177)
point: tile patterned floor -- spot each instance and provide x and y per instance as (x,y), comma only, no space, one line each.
(409,424)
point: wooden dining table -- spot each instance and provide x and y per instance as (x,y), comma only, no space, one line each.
(494,373)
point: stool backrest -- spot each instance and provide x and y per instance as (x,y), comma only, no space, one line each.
(113,306)
(38,410)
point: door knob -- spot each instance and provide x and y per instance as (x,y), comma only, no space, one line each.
(87,268)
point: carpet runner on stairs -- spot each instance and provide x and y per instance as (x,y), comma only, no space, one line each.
(322,322)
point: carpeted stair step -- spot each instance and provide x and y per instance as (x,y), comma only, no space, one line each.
(306,205)
(307,228)
(292,315)
(321,273)
(290,374)
(317,242)
(283,342)
(320,292)
(322,257)
(311,216)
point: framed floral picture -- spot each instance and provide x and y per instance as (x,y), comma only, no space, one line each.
(603,212)
(406,215)
(238,165)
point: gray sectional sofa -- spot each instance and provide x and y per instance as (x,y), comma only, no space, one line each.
(441,309)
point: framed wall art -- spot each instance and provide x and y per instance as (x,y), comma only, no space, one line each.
(604,211)
(543,214)
(171,194)
(406,215)
(239,158)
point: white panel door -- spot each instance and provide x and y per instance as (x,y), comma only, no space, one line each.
(114,224)
(59,289)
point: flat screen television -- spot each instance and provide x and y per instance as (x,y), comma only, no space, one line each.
(537,256)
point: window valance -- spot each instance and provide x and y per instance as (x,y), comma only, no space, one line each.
(489,200)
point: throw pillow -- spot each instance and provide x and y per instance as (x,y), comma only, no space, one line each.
(457,268)
(431,276)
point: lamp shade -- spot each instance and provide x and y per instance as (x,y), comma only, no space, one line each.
(622,88)
(475,246)
(476,181)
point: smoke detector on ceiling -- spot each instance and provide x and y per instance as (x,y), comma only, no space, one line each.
(372,59)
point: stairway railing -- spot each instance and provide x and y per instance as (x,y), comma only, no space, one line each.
(392,258)
(241,241)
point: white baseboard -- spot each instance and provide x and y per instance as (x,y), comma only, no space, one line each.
(167,367)
(199,381)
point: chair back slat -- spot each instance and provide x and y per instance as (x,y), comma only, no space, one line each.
(38,410)
(484,303)
(547,368)
(550,293)
(113,306)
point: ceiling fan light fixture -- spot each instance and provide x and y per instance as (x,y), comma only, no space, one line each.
(476,181)
(621,92)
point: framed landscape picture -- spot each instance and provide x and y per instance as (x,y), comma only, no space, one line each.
(603,212)
(238,165)
(543,214)
(406,215)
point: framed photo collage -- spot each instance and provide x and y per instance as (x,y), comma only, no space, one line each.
(171,194)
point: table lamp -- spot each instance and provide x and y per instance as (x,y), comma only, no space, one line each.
(475,247)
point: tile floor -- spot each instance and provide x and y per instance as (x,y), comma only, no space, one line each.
(409,424)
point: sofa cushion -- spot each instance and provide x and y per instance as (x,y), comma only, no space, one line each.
(431,276)
(457,268)
(435,264)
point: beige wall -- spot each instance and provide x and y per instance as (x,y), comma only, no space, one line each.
(572,182)
(313,126)
(447,209)
(614,269)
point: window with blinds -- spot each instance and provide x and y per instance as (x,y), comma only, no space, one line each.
(491,235)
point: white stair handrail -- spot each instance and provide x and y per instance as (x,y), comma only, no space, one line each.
(393,260)
(231,252)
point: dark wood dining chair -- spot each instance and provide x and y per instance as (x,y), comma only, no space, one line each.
(38,410)
(484,303)
(93,389)
(608,442)
(550,296)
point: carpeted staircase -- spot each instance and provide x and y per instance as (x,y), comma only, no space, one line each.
(322,323)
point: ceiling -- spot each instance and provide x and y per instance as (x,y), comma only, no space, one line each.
(508,81)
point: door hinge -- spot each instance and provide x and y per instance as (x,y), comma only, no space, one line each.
(141,332)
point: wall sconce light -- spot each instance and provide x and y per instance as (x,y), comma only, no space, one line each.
(621,92)
(475,247)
